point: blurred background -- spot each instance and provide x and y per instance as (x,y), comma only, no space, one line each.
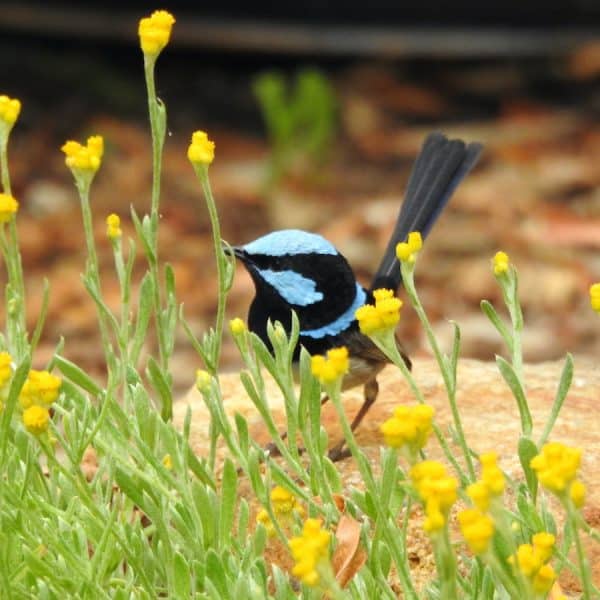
(317,113)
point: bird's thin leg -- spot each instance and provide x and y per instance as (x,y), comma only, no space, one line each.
(371,389)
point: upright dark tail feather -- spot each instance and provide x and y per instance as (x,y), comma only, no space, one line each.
(440,166)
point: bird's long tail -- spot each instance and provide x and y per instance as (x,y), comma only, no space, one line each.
(440,166)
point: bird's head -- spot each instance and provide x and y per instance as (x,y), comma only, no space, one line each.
(300,271)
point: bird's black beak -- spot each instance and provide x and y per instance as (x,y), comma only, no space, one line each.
(236,251)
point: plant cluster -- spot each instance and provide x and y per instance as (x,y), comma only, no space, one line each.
(151,519)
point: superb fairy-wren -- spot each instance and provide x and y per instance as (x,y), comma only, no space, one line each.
(298,271)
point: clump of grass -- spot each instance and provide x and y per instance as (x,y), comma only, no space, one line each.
(152,519)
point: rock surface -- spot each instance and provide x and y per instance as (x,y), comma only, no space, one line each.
(490,419)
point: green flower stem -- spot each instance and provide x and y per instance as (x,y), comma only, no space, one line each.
(389,530)
(223,273)
(15,305)
(449,382)
(445,564)
(157,142)
(387,344)
(582,561)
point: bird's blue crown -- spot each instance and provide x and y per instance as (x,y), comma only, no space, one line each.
(290,242)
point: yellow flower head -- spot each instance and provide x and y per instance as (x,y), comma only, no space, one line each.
(41,388)
(284,502)
(9,110)
(382,316)
(577,493)
(556,466)
(531,560)
(437,489)
(203,381)
(35,419)
(113,226)
(155,31)
(407,251)
(8,207)
(331,368)
(477,529)
(237,326)
(84,158)
(595,296)
(544,579)
(167,462)
(263,517)
(310,551)
(410,426)
(5,368)
(543,543)
(491,474)
(202,150)
(501,263)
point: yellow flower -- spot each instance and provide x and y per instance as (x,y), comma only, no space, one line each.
(311,552)
(501,263)
(491,474)
(407,251)
(438,491)
(263,517)
(410,426)
(84,158)
(237,326)
(9,110)
(556,466)
(202,150)
(285,503)
(35,419)
(531,560)
(5,368)
(479,493)
(381,317)
(203,381)
(41,388)
(577,493)
(477,529)
(167,462)
(155,31)
(8,207)
(113,226)
(330,369)
(595,296)
(544,579)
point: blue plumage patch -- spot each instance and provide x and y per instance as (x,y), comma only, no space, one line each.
(292,287)
(290,241)
(342,322)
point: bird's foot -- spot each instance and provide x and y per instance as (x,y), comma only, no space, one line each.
(339,452)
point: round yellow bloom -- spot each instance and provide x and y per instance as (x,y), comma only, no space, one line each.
(237,326)
(477,529)
(407,251)
(595,296)
(167,462)
(263,517)
(113,226)
(544,579)
(479,493)
(501,263)
(35,419)
(410,426)
(8,207)
(556,466)
(155,31)
(310,551)
(543,543)
(5,368)
(9,110)
(437,489)
(491,474)
(40,388)
(202,150)
(284,502)
(203,381)
(84,158)
(381,317)
(330,369)
(577,493)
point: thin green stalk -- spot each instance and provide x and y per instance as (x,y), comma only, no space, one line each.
(409,284)
(583,563)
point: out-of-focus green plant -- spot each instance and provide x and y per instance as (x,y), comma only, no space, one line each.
(300,120)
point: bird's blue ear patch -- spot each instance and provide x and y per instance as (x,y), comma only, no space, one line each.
(292,287)
(290,242)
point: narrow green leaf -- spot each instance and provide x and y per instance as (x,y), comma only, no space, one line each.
(77,376)
(566,378)
(498,323)
(145,307)
(228,501)
(182,579)
(161,384)
(39,326)
(511,378)
(527,450)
